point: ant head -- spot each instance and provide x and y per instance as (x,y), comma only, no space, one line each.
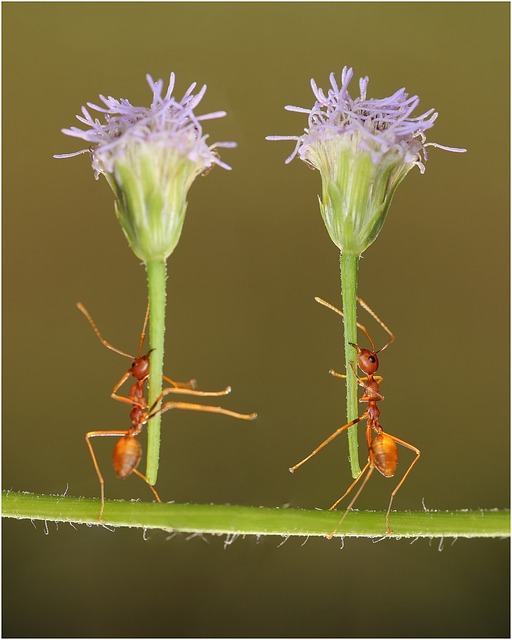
(140,367)
(366,360)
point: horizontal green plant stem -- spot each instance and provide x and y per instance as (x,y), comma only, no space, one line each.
(237,520)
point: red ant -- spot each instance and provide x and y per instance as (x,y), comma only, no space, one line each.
(382,449)
(127,450)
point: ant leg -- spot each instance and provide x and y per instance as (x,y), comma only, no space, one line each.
(118,384)
(191,384)
(360,381)
(178,387)
(325,442)
(199,407)
(378,379)
(350,488)
(193,392)
(143,477)
(418,453)
(223,392)
(349,508)
(93,434)
(370,462)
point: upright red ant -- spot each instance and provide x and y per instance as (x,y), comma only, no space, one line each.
(382,449)
(127,450)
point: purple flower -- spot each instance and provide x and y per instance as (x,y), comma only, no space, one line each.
(383,124)
(363,149)
(167,123)
(150,156)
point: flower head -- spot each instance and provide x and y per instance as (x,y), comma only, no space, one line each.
(363,148)
(150,156)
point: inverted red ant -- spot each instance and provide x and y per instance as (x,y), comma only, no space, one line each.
(127,450)
(382,449)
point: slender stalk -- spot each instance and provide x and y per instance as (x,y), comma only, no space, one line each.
(236,520)
(157,275)
(348,267)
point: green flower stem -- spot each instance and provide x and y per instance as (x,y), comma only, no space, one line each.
(236,520)
(348,266)
(157,275)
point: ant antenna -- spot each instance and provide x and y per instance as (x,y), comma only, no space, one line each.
(363,329)
(143,332)
(376,317)
(100,337)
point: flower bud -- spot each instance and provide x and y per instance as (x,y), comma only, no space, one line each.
(363,149)
(150,156)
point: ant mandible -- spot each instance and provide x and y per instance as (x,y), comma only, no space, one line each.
(382,447)
(128,451)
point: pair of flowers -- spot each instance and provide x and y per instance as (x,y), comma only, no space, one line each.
(150,156)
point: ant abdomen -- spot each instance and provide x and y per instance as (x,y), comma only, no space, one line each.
(385,454)
(126,456)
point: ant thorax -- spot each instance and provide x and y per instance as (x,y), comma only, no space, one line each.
(373,412)
(137,394)
(371,391)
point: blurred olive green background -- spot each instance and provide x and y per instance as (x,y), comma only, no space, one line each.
(253,254)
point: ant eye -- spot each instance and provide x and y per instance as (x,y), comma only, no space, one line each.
(371,358)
